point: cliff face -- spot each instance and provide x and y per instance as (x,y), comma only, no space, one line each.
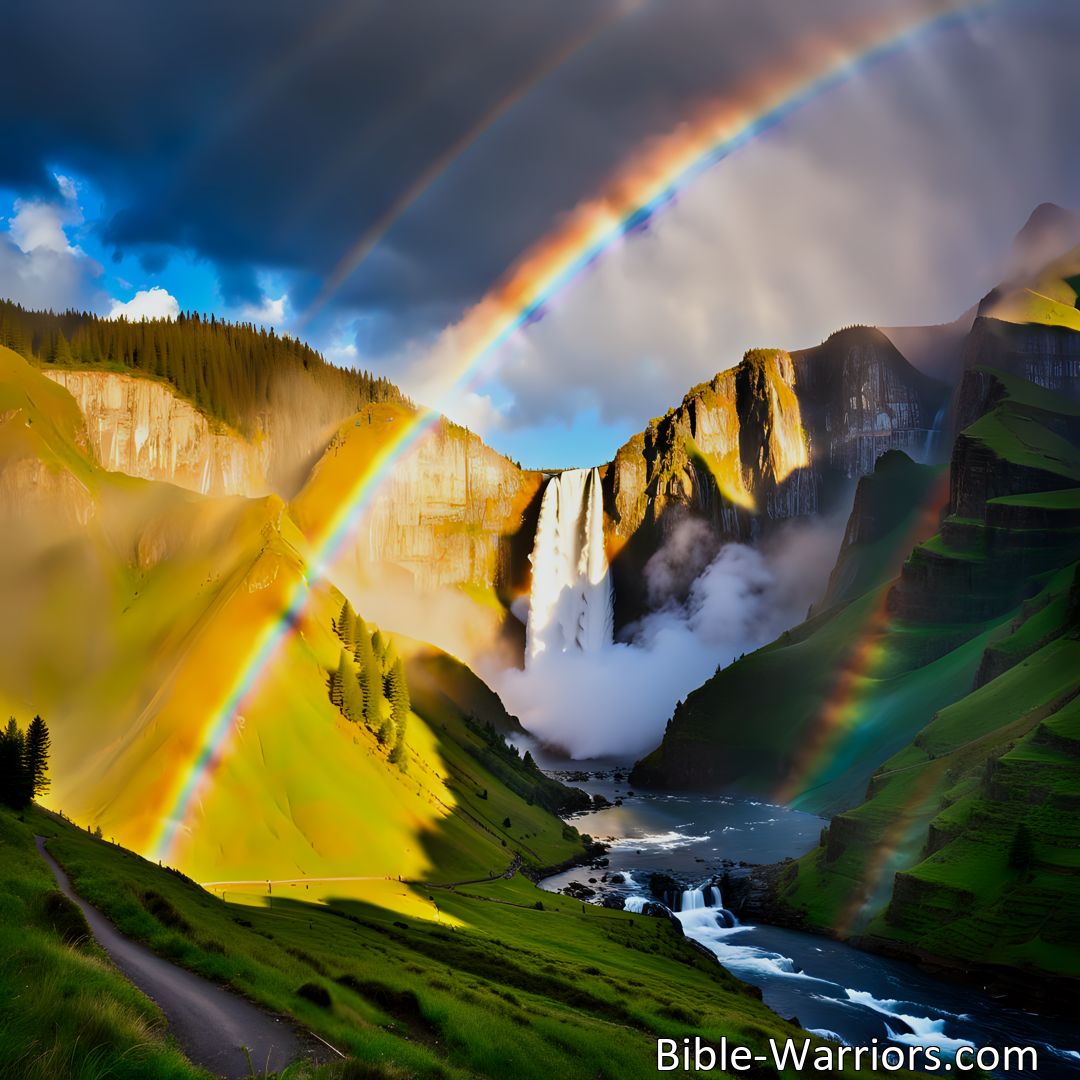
(766,439)
(451,512)
(774,438)
(1046,355)
(141,427)
(448,513)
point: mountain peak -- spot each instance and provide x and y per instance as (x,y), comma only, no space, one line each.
(1048,233)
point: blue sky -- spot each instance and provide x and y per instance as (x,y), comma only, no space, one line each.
(232,172)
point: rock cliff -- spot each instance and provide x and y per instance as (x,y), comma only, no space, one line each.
(1046,355)
(777,437)
(451,512)
(141,427)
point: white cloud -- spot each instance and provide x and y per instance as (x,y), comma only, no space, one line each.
(38,226)
(271,312)
(153,303)
(68,188)
(343,354)
(742,598)
(39,265)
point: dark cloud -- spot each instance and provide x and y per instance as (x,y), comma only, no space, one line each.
(276,133)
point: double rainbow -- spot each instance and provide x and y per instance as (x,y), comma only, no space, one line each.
(637,193)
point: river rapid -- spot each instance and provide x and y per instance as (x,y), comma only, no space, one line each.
(834,990)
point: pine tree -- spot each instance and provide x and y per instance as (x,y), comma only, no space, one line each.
(38,745)
(346,624)
(398,755)
(365,663)
(337,681)
(528,761)
(15,788)
(352,695)
(60,352)
(378,647)
(386,732)
(397,693)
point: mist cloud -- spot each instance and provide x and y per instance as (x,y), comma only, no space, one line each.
(617,701)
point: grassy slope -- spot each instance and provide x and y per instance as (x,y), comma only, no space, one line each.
(843,692)
(923,864)
(484,984)
(128,662)
(892,497)
(944,811)
(1051,299)
(161,596)
(66,1012)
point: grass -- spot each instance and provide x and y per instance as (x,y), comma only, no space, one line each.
(490,986)
(945,809)
(67,1012)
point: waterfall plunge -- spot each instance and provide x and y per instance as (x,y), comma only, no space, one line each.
(570,606)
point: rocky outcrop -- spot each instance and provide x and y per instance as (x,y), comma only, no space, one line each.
(1047,355)
(453,512)
(882,509)
(777,437)
(141,427)
(765,439)
(1002,532)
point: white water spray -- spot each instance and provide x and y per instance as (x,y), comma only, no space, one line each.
(570,605)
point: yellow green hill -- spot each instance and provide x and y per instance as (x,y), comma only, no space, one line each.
(135,611)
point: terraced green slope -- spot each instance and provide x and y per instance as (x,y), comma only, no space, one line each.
(965,852)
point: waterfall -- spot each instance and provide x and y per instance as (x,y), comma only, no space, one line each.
(933,435)
(703,909)
(570,605)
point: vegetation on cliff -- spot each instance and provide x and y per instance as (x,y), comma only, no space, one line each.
(235,372)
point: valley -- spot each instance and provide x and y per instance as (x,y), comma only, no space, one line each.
(283,700)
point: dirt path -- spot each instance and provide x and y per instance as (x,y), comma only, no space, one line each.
(211,1025)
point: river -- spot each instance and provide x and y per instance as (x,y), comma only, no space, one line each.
(833,989)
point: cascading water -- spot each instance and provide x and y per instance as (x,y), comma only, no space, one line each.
(570,605)
(704,909)
(933,436)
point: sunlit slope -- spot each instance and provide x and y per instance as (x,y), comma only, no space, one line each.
(131,617)
(1051,298)
(440,534)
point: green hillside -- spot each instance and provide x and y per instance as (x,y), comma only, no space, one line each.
(67,1012)
(493,979)
(976,819)
(962,850)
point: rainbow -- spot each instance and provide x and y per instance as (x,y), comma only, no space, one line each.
(363,246)
(636,194)
(845,706)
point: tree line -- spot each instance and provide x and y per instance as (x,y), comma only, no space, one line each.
(368,685)
(236,372)
(24,762)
